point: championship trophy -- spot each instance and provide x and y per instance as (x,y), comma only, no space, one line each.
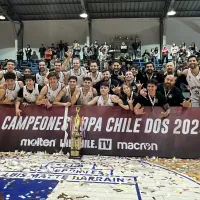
(76,137)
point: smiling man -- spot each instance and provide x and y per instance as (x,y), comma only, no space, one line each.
(28,94)
(40,76)
(170,91)
(150,74)
(94,73)
(10,67)
(50,91)
(8,94)
(193,78)
(152,98)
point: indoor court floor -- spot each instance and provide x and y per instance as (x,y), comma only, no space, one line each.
(43,176)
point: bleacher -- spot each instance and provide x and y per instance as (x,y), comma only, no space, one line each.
(34,65)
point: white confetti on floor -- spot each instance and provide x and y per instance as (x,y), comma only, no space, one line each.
(101,178)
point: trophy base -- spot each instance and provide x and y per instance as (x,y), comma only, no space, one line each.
(75,154)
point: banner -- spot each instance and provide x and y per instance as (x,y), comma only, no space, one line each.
(108,131)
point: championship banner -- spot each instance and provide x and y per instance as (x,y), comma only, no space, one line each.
(107,131)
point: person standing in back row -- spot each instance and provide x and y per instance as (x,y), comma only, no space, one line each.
(42,50)
(28,52)
(165,52)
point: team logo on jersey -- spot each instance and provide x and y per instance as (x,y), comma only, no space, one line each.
(170,96)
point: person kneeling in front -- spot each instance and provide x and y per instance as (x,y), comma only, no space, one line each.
(105,99)
(152,98)
(28,94)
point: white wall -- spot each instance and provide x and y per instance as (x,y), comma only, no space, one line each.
(7,41)
(42,32)
(47,32)
(146,29)
(183,29)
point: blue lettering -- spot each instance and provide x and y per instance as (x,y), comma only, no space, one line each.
(99,179)
(84,178)
(91,178)
(121,180)
(14,175)
(107,179)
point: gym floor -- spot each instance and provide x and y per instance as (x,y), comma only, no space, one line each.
(43,176)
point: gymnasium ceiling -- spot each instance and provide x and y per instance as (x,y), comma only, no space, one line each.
(22,10)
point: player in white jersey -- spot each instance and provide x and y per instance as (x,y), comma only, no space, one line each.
(27,94)
(40,76)
(10,66)
(94,74)
(50,91)
(66,94)
(61,74)
(79,72)
(193,78)
(8,94)
(105,99)
(87,91)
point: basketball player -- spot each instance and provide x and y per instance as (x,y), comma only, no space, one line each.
(67,92)
(105,99)
(10,66)
(193,78)
(94,74)
(61,74)
(9,93)
(77,71)
(50,91)
(28,94)
(40,76)
(87,91)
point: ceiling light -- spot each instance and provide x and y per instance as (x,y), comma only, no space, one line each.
(84,15)
(172,12)
(2,17)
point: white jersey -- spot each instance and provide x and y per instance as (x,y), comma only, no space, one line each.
(61,77)
(12,94)
(80,99)
(51,94)
(80,75)
(194,85)
(97,78)
(40,79)
(31,97)
(68,92)
(101,102)
(5,71)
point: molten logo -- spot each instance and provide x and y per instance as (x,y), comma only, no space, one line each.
(39,142)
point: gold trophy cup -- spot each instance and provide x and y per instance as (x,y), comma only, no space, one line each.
(76,138)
